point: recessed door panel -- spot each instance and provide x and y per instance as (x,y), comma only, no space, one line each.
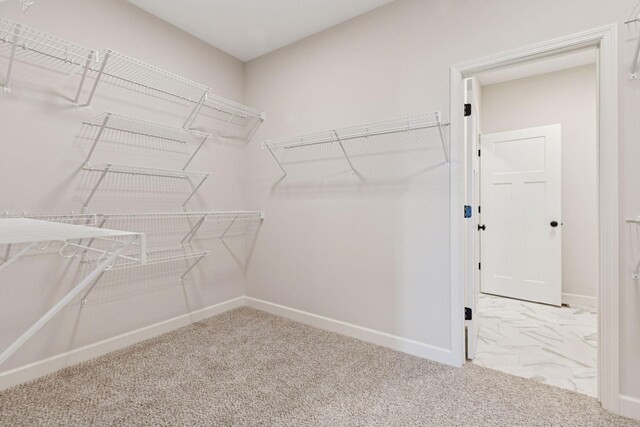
(521,209)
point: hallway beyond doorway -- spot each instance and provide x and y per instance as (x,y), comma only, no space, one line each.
(553,345)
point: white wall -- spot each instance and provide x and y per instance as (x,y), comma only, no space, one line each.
(378,255)
(43,146)
(567,97)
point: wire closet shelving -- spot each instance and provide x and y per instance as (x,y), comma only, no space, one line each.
(114,168)
(154,257)
(72,218)
(222,223)
(147,78)
(43,49)
(424,127)
(32,233)
(238,121)
(154,132)
(219,224)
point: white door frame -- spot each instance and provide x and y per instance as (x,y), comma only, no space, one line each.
(605,39)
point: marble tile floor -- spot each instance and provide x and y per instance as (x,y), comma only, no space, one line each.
(552,345)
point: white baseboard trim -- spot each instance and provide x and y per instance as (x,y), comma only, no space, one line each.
(580,301)
(43,367)
(55,363)
(629,407)
(406,345)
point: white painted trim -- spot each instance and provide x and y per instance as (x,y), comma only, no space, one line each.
(608,277)
(609,223)
(574,300)
(64,360)
(55,363)
(406,345)
(629,407)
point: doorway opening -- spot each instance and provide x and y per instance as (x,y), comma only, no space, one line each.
(533,128)
(515,255)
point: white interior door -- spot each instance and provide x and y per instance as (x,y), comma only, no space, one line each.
(472,190)
(521,210)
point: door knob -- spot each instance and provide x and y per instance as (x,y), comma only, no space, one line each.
(554,223)
(482,227)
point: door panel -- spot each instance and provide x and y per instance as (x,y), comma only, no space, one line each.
(520,196)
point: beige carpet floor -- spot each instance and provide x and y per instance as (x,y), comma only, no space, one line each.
(250,368)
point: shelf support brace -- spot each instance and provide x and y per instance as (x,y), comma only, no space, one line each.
(104,265)
(255,127)
(104,173)
(634,63)
(87,65)
(195,190)
(83,301)
(226,125)
(195,152)
(98,136)
(8,261)
(191,268)
(277,161)
(98,77)
(193,231)
(444,146)
(229,227)
(6,254)
(14,45)
(344,152)
(196,110)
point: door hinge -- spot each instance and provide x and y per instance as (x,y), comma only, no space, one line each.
(468,313)
(479,152)
(479,209)
(467,110)
(479,266)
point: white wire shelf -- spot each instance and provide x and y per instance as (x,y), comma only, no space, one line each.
(46,50)
(161,257)
(27,230)
(147,78)
(220,224)
(77,219)
(424,128)
(237,121)
(149,131)
(31,232)
(107,168)
(231,107)
(154,258)
(140,170)
(131,72)
(224,224)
